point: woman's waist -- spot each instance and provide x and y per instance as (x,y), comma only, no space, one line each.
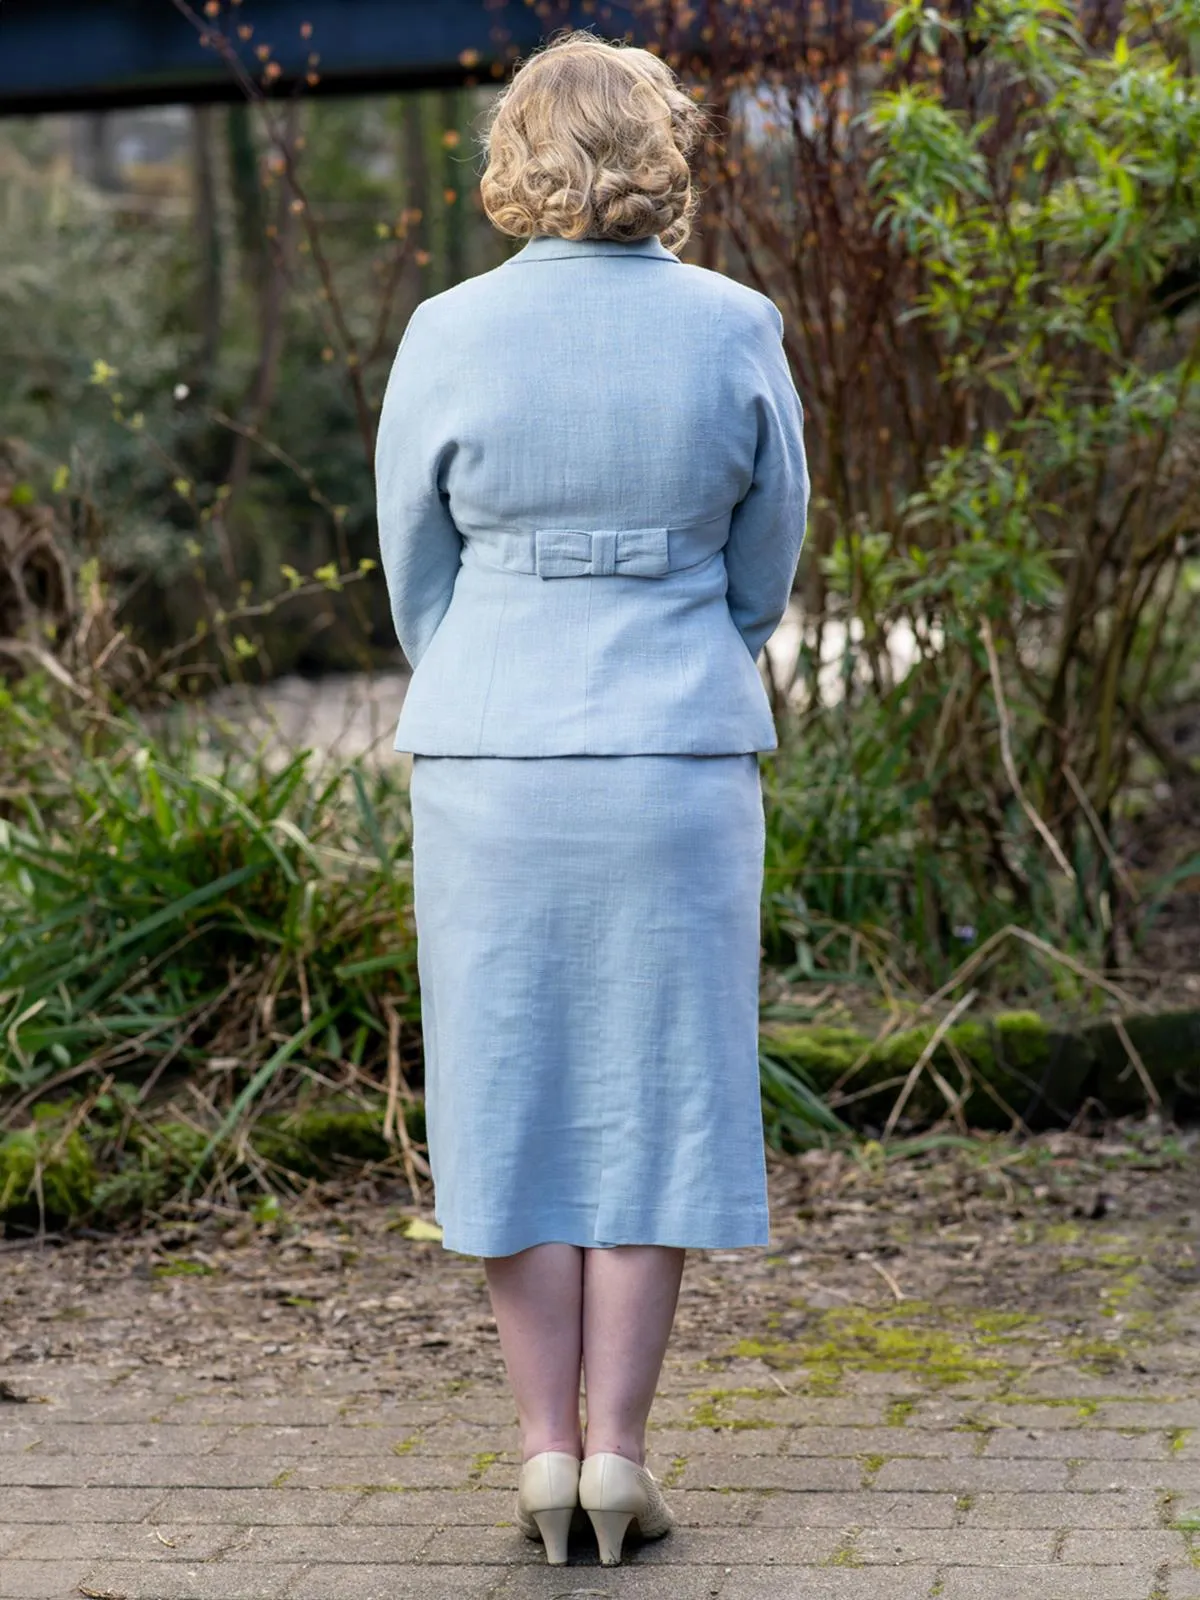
(624,549)
(517,666)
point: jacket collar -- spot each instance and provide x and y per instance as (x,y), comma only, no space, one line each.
(549,247)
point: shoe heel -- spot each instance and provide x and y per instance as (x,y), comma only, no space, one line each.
(554,1526)
(610,1529)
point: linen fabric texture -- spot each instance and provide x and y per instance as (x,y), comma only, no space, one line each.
(588,956)
(592,495)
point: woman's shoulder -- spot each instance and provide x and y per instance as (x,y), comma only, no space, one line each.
(496,305)
(738,300)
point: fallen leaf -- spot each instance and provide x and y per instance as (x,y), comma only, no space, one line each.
(418,1228)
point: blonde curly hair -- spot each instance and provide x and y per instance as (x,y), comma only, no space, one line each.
(590,140)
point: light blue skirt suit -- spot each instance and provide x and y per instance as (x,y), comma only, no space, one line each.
(592,495)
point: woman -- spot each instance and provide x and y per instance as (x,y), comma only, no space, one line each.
(592,495)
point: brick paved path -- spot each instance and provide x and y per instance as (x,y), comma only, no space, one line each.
(148,1490)
(247,1434)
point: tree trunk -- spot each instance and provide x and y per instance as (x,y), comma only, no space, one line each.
(94,152)
(453,198)
(249,213)
(208,236)
(272,304)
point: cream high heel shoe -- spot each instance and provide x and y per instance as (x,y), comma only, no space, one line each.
(615,1492)
(547,1496)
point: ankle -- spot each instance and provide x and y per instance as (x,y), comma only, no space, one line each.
(632,1449)
(536,1446)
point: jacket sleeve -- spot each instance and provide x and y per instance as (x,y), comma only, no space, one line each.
(767,527)
(419,545)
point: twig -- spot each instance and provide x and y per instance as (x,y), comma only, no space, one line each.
(1097,827)
(934,1040)
(1139,1065)
(886,1276)
(1006,754)
(395,1124)
(976,959)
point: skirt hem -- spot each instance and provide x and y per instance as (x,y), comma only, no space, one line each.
(748,1234)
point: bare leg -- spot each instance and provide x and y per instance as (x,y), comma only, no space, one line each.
(537,1297)
(629,1297)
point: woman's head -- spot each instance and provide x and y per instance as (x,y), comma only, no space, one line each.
(590,141)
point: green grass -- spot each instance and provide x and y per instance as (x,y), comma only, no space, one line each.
(208,976)
(207,967)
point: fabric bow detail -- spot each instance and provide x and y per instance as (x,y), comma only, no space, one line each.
(626,553)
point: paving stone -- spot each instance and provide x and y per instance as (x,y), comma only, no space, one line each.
(40,1580)
(683,1547)
(1067,1383)
(292,1412)
(399,1483)
(960,1547)
(496,1508)
(130,1438)
(630,1579)
(669,1443)
(765,1472)
(800,1411)
(62,1506)
(433,1508)
(1172,1474)
(891,1386)
(500,1546)
(1164,1411)
(452,1437)
(19,1437)
(235,1507)
(1087,1444)
(1135,1508)
(142,1471)
(392,1583)
(119,1410)
(1123,1547)
(870,1508)
(179,1580)
(840,1583)
(1045,1583)
(703,1508)
(488,1410)
(1040,1417)
(973,1476)
(362,1543)
(363,1440)
(393,1473)
(124,1541)
(877,1442)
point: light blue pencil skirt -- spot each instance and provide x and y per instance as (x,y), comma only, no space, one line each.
(588,948)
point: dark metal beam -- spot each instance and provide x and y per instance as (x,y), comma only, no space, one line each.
(76,55)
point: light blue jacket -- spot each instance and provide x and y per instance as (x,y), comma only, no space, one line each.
(592,494)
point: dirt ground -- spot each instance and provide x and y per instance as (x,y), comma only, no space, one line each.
(1089,1241)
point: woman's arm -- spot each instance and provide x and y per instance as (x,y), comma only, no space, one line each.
(767,527)
(420,548)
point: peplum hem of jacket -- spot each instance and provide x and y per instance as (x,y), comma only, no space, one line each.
(592,495)
(658,666)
